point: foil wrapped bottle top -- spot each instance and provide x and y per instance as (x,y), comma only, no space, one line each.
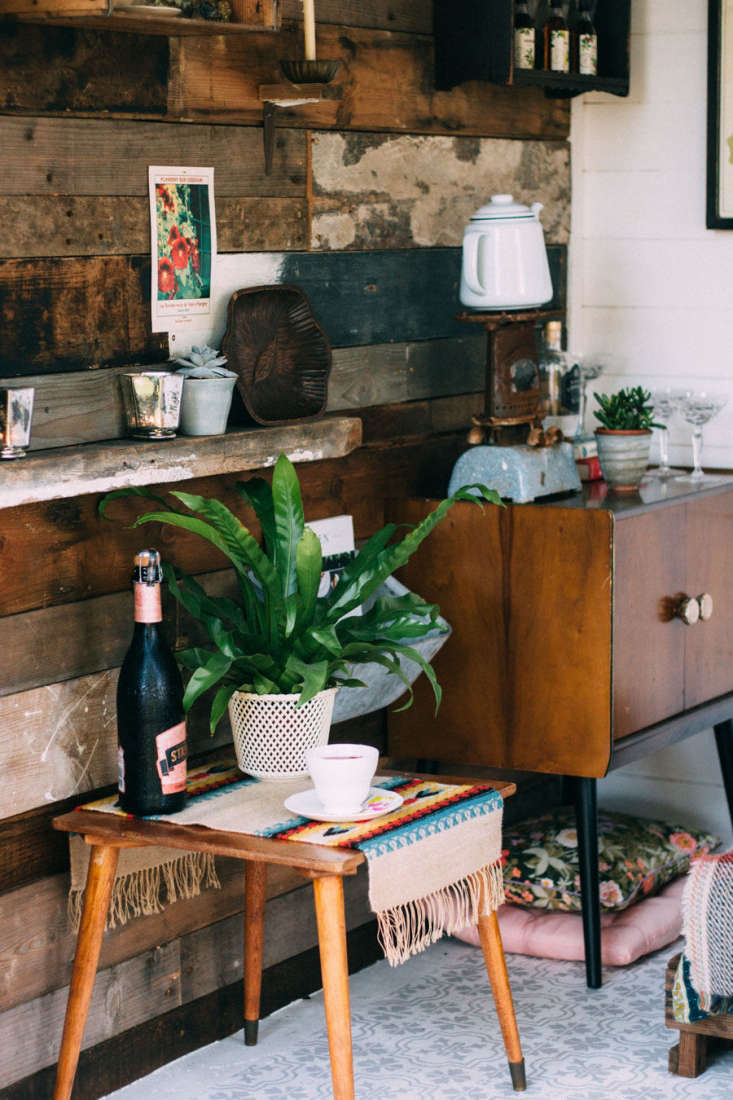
(147,567)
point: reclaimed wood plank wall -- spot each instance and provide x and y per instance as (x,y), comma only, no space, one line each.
(364,209)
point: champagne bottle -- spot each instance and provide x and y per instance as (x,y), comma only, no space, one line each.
(556,40)
(585,42)
(151,728)
(523,36)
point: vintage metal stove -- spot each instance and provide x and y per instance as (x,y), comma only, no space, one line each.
(510,451)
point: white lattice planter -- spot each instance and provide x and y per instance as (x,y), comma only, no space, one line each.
(271,734)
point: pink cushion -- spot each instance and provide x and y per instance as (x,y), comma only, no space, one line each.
(625,935)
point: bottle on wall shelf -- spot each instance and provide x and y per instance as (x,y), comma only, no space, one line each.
(556,40)
(584,41)
(151,727)
(524,36)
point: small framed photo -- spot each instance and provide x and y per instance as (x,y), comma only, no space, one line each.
(720,115)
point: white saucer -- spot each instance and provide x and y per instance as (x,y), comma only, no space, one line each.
(379,802)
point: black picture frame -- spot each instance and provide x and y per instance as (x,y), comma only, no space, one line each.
(719,204)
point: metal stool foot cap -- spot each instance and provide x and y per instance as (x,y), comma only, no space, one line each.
(519,1081)
(250,1032)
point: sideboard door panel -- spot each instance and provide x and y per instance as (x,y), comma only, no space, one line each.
(648,642)
(709,645)
(526,674)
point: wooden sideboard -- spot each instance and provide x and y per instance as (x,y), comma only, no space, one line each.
(568,655)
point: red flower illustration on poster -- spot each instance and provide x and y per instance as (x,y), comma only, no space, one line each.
(166,278)
(184,240)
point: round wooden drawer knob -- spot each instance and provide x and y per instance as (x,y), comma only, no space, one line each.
(688,609)
(705,603)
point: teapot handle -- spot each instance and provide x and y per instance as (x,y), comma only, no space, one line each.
(470,262)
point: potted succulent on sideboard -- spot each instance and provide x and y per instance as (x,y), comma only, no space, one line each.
(208,389)
(625,436)
(278,653)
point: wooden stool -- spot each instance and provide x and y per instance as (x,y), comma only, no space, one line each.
(689,1058)
(107,833)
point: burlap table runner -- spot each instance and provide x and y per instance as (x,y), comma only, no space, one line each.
(429,862)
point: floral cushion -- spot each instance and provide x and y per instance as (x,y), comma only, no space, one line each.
(636,857)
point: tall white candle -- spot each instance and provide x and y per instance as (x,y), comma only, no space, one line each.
(309,30)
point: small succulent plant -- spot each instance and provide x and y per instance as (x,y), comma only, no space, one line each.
(628,410)
(204,362)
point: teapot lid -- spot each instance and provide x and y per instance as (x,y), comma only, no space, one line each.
(504,206)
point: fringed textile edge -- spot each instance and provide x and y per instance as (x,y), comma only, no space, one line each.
(148,890)
(406,930)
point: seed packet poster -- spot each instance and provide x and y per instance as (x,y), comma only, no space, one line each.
(183,244)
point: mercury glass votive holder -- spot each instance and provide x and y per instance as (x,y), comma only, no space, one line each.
(152,401)
(16,413)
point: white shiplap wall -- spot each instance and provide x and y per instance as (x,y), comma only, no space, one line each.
(651,293)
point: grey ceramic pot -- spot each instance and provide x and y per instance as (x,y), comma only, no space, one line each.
(624,457)
(205,405)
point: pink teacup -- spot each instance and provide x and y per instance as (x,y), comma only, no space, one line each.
(342,775)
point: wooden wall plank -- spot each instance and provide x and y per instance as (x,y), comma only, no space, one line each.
(396,15)
(50,225)
(30,1034)
(61,314)
(386,83)
(212,957)
(86,406)
(37,942)
(391,373)
(171,974)
(64,69)
(60,156)
(140,1050)
(391,295)
(59,741)
(83,312)
(77,555)
(392,191)
(31,849)
(425,418)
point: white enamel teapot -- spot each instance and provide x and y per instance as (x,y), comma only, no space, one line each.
(504,257)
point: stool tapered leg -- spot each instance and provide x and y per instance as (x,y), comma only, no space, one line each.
(328,892)
(488,927)
(254,937)
(102,867)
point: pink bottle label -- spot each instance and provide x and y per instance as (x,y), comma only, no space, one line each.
(171,758)
(147,603)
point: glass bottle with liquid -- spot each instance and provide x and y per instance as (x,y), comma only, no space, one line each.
(524,36)
(556,40)
(559,382)
(151,726)
(584,42)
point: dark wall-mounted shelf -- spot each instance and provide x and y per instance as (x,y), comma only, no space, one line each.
(475,42)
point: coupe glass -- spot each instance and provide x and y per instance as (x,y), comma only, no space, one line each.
(590,369)
(697,409)
(666,402)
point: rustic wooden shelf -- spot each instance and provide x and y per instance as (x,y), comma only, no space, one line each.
(570,84)
(98,467)
(134,24)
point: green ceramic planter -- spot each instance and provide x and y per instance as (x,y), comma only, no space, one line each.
(624,457)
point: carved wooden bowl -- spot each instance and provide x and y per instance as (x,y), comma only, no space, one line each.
(279,352)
